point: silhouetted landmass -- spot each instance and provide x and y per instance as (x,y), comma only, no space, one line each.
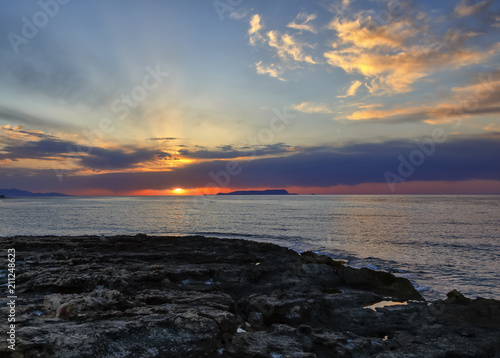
(17,193)
(259,192)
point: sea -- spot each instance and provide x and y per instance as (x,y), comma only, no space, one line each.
(439,243)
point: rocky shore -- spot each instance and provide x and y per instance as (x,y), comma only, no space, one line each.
(147,296)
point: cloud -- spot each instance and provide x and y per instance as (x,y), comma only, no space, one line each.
(229,152)
(288,47)
(311,107)
(239,14)
(21,117)
(50,148)
(353,88)
(18,132)
(497,21)
(272,70)
(466,8)
(225,148)
(165,139)
(457,159)
(254,34)
(45,149)
(367,33)
(395,54)
(337,7)
(397,73)
(112,159)
(398,113)
(492,127)
(456,38)
(304,19)
(480,97)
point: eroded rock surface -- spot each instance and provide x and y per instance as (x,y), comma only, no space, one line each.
(203,297)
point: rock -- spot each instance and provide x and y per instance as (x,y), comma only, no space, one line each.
(368,279)
(456,298)
(146,296)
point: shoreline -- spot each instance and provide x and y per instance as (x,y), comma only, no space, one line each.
(194,296)
(352,262)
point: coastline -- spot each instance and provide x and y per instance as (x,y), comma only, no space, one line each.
(194,296)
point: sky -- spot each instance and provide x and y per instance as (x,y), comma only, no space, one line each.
(198,97)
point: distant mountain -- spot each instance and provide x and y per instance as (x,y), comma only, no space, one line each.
(259,192)
(16,193)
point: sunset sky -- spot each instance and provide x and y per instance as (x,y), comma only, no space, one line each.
(349,96)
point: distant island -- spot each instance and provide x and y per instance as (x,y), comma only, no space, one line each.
(259,192)
(18,193)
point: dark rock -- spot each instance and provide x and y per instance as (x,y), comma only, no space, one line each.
(457,298)
(148,296)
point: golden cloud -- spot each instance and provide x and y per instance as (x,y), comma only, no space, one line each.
(365,33)
(311,107)
(288,47)
(272,70)
(469,101)
(353,88)
(254,31)
(397,53)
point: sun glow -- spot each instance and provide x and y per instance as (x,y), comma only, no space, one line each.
(178,190)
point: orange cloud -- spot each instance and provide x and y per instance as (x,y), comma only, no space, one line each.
(311,107)
(353,88)
(474,99)
(382,114)
(365,33)
(393,56)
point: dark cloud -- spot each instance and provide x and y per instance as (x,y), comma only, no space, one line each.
(225,148)
(229,152)
(43,149)
(166,139)
(454,160)
(107,159)
(88,157)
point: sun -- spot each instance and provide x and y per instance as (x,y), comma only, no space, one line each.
(178,190)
